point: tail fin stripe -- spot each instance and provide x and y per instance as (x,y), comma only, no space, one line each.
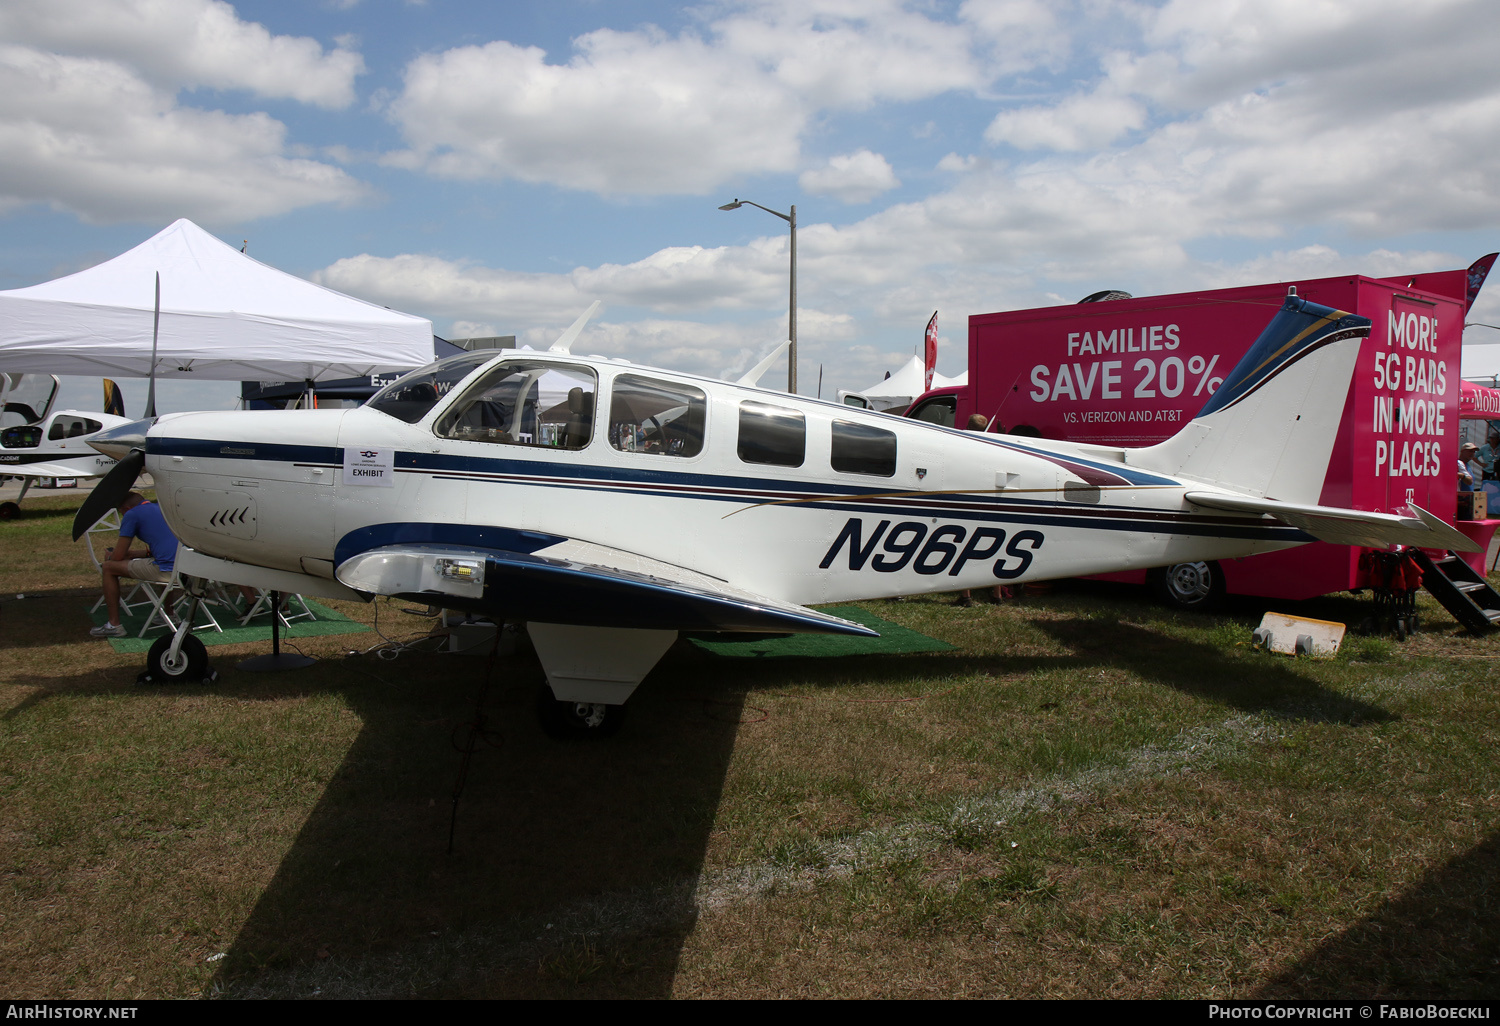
(1315,326)
(1338,336)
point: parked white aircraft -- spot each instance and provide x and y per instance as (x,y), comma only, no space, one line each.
(45,443)
(646,502)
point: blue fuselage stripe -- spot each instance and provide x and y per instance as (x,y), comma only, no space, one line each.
(751,491)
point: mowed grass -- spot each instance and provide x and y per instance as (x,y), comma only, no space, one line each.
(1090,797)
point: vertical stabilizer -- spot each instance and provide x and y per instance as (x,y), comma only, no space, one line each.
(1269,428)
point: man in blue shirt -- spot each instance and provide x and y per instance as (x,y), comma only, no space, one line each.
(143,520)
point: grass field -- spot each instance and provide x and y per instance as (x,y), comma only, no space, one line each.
(1088,796)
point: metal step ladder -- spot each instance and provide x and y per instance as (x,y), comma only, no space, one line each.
(1461,589)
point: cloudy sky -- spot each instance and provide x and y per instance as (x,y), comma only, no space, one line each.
(498,166)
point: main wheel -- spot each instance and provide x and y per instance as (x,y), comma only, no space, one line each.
(572,720)
(191,663)
(1189,586)
(9,510)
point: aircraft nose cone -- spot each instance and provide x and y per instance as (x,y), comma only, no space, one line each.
(118,441)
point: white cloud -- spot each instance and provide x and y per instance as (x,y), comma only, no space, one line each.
(630,113)
(644,112)
(851,53)
(1021,34)
(89,136)
(1077,123)
(669,280)
(1242,128)
(852,177)
(187,43)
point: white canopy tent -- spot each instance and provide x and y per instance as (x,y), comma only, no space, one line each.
(1481,362)
(224,316)
(905,385)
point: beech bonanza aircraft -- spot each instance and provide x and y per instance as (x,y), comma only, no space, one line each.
(47,444)
(611,506)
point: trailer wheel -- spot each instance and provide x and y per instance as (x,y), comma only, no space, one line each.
(1196,587)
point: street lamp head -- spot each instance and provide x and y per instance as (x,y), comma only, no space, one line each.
(732,206)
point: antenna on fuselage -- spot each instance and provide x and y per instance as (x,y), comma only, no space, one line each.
(752,376)
(565,341)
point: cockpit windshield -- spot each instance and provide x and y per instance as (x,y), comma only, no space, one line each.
(409,398)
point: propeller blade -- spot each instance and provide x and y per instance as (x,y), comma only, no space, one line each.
(109,493)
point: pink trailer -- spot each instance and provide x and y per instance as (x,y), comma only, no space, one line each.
(1133,371)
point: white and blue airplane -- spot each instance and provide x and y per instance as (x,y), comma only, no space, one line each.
(611,506)
(39,442)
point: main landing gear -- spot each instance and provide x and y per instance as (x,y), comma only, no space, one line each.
(567,721)
(1194,587)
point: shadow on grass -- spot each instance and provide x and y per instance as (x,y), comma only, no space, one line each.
(52,616)
(1441,939)
(573,864)
(1266,683)
(31,512)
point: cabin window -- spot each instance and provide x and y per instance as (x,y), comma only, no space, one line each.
(863,449)
(25,437)
(662,417)
(941,410)
(412,396)
(526,402)
(772,435)
(72,427)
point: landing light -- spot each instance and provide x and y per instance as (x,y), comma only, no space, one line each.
(470,571)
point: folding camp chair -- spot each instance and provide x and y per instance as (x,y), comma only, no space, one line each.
(285,613)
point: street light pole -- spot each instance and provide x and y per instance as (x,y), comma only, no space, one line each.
(791,330)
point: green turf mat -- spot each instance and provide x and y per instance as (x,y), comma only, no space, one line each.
(325,621)
(893,638)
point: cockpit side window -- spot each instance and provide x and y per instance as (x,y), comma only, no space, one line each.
(411,397)
(863,449)
(662,417)
(771,435)
(72,427)
(526,402)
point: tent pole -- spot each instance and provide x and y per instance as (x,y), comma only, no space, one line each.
(155,330)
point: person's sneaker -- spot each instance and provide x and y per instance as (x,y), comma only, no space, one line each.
(108,630)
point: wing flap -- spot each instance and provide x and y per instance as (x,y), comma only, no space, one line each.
(1347,526)
(578,583)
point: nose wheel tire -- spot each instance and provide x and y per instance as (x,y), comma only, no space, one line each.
(190,664)
(577,720)
(1190,586)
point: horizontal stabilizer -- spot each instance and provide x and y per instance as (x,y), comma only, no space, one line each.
(578,583)
(1347,526)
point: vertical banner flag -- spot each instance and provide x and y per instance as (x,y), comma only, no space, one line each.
(929,353)
(1478,271)
(114,402)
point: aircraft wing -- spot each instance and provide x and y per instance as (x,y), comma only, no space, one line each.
(1347,526)
(47,470)
(575,582)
